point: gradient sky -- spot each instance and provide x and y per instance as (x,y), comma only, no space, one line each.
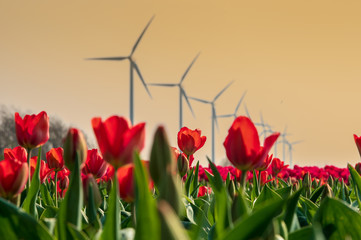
(298,60)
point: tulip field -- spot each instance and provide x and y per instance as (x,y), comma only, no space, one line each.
(110,193)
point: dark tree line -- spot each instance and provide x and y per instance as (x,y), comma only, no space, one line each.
(57,131)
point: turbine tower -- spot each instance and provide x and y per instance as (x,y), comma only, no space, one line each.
(182,93)
(214,115)
(133,67)
(234,114)
(290,149)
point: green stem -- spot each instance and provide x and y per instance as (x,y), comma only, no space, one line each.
(56,188)
(259,181)
(243,180)
(28,150)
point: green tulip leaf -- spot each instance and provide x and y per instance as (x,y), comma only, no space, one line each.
(17,224)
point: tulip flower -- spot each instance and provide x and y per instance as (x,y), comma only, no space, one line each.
(95,164)
(203,190)
(277,166)
(118,140)
(264,178)
(74,148)
(358,142)
(189,141)
(13,177)
(125,176)
(266,163)
(44,170)
(243,147)
(55,159)
(182,162)
(358,167)
(32,131)
(18,153)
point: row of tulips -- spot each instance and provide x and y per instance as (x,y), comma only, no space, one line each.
(76,193)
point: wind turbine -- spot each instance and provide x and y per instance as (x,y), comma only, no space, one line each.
(234,114)
(133,67)
(214,115)
(290,148)
(182,93)
(266,127)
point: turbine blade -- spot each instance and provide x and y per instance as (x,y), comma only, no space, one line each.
(240,101)
(199,100)
(141,35)
(187,100)
(225,116)
(162,84)
(108,58)
(187,70)
(141,78)
(297,142)
(246,110)
(224,89)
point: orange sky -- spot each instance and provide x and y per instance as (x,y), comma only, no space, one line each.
(298,60)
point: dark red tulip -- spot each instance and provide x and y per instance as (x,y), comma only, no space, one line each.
(189,141)
(243,147)
(74,146)
(95,164)
(264,178)
(55,159)
(13,177)
(18,153)
(33,130)
(358,142)
(118,140)
(44,170)
(358,167)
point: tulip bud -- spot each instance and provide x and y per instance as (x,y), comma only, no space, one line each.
(89,182)
(183,165)
(307,184)
(74,148)
(358,167)
(295,186)
(327,192)
(330,181)
(232,189)
(64,183)
(358,142)
(162,160)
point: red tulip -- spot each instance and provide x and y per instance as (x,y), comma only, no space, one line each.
(13,177)
(203,190)
(55,159)
(243,147)
(277,166)
(264,178)
(267,161)
(189,141)
(95,164)
(63,182)
(109,173)
(18,153)
(33,130)
(358,167)
(358,142)
(118,140)
(125,175)
(74,146)
(44,170)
